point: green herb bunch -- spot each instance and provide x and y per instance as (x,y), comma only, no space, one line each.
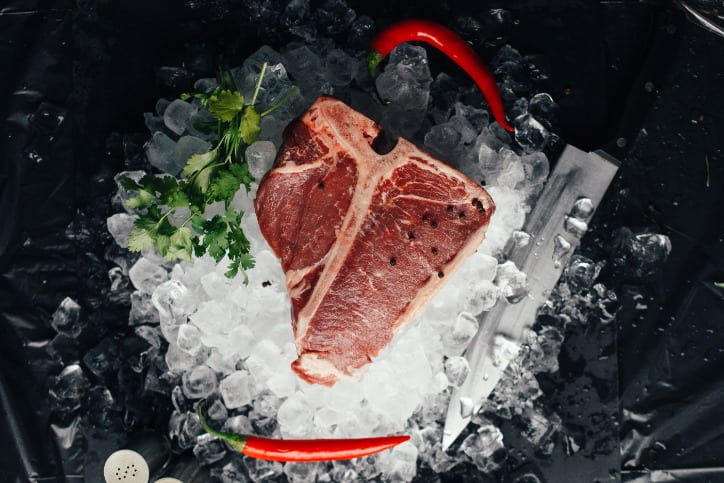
(210,177)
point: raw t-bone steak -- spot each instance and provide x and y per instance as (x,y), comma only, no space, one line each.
(365,239)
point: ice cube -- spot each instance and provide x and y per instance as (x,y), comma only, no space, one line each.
(261,470)
(199,382)
(303,63)
(103,359)
(186,147)
(173,303)
(482,445)
(265,360)
(146,275)
(295,416)
(217,411)
(511,282)
(260,156)
(189,339)
(444,141)
(581,272)
(530,134)
(66,319)
(339,67)
(238,425)
(120,226)
(179,361)
(123,194)
(190,430)
(641,254)
(302,472)
(298,20)
(142,310)
(457,369)
(160,153)
(406,80)
(541,429)
(177,114)
(68,389)
(478,118)
(399,464)
(456,340)
(544,351)
(209,449)
(235,389)
(543,108)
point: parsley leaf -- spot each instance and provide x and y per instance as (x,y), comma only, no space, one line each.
(226,104)
(209,177)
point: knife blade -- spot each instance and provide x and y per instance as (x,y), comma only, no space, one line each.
(573,191)
(559,219)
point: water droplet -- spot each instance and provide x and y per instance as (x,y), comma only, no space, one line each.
(582,208)
(575,226)
(561,248)
(466,407)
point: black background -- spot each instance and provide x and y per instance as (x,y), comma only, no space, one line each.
(97,62)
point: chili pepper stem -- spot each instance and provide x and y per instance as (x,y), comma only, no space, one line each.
(373,60)
(236,441)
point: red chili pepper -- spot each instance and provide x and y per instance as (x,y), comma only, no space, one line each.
(303,449)
(450,44)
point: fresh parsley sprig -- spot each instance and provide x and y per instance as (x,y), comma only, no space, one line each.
(214,176)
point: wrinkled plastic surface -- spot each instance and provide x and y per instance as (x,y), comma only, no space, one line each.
(77,72)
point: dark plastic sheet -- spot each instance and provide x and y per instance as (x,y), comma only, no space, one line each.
(74,73)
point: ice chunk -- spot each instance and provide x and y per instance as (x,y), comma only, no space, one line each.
(160,153)
(456,340)
(543,108)
(406,80)
(641,254)
(103,359)
(146,275)
(217,411)
(186,147)
(123,194)
(189,339)
(511,282)
(302,472)
(561,249)
(265,360)
(199,382)
(179,361)
(581,272)
(334,17)
(530,134)
(209,449)
(66,319)
(238,425)
(69,388)
(120,226)
(173,303)
(235,389)
(295,416)
(457,370)
(142,310)
(399,464)
(261,470)
(339,67)
(544,350)
(297,19)
(177,114)
(482,445)
(190,429)
(541,429)
(444,141)
(260,156)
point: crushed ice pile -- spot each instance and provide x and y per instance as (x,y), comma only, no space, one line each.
(232,343)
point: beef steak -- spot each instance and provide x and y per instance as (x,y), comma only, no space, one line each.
(365,239)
